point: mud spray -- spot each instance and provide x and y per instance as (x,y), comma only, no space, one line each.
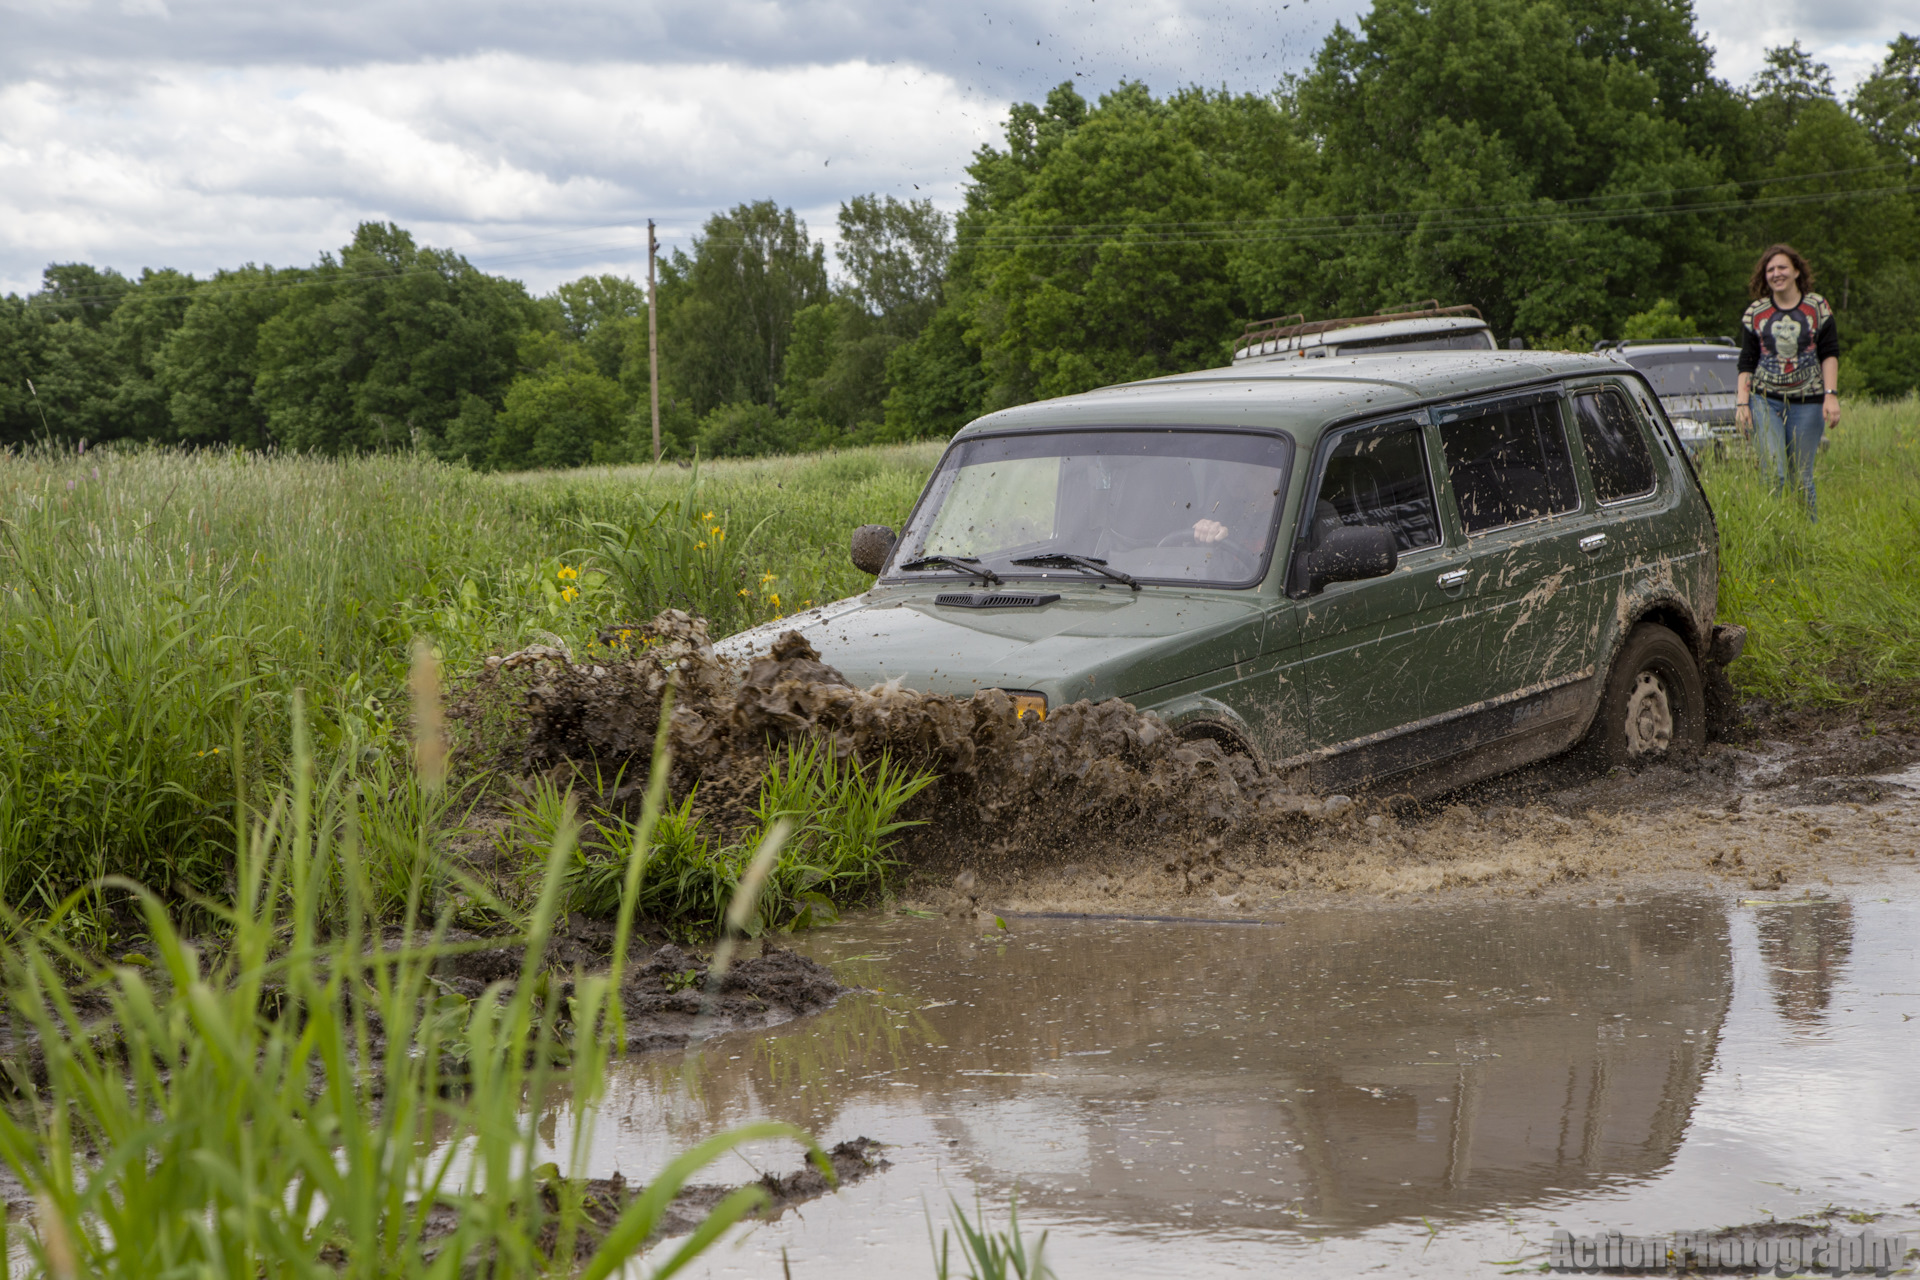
(1101,807)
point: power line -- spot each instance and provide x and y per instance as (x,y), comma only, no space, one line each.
(1303,228)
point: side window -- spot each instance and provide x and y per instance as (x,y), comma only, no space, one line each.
(1378,475)
(1616,448)
(1508,462)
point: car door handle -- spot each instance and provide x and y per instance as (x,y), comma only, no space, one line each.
(1593,542)
(1453,578)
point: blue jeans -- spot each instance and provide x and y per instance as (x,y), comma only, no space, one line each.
(1787,438)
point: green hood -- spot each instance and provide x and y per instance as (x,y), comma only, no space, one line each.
(1093,642)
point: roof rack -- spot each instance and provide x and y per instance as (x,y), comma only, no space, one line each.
(1614,344)
(1297,325)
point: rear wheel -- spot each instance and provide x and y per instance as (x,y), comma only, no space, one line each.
(1655,704)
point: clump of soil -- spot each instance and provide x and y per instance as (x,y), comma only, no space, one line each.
(671,996)
(605,1199)
(1088,765)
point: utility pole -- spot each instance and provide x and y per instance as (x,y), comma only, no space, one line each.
(653,339)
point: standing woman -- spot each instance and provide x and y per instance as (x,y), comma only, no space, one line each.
(1789,369)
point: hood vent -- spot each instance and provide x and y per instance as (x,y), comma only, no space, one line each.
(996,599)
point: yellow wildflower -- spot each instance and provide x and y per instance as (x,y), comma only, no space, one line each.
(745,592)
(567,574)
(699,546)
(719,535)
(707,516)
(569,594)
(715,529)
(765,578)
(773,598)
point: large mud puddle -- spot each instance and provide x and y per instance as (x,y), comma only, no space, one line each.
(1410,1087)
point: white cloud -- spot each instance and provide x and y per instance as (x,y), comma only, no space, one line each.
(1850,36)
(536,168)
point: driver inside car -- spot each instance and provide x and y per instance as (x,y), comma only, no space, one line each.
(1239,504)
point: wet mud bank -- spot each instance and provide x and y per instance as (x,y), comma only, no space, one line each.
(1102,808)
(605,1199)
(672,997)
(1087,768)
(1795,803)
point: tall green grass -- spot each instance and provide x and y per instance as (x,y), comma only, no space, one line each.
(1832,608)
(841,816)
(159,608)
(300,1101)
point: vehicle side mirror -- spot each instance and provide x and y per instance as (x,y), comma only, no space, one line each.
(1348,554)
(872,544)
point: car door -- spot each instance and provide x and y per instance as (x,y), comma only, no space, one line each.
(1362,658)
(1530,535)
(1625,482)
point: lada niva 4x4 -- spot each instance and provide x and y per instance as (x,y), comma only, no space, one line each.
(1404,573)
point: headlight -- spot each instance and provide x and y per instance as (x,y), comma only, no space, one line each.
(1692,429)
(1028,704)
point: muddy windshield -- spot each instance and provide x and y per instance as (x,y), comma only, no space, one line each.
(1158,505)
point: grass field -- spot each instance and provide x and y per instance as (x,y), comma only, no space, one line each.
(158,610)
(1832,608)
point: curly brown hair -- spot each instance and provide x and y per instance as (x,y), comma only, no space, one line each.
(1757,286)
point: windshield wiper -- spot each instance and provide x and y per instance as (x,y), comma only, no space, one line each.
(1061,560)
(965,564)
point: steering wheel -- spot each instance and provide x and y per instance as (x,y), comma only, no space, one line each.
(1239,557)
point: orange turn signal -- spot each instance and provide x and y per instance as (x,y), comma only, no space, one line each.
(1029,704)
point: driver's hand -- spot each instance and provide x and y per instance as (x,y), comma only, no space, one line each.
(1208,531)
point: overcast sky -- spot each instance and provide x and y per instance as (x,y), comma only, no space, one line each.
(537,138)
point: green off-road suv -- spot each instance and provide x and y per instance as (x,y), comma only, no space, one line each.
(1402,571)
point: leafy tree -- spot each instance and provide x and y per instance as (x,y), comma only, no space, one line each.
(139,330)
(1850,227)
(936,382)
(745,429)
(208,363)
(376,350)
(895,254)
(1888,101)
(730,306)
(1096,247)
(562,416)
(79,292)
(1503,153)
(834,375)
(1661,320)
(21,339)
(71,367)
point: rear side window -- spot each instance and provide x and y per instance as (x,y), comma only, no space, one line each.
(1616,448)
(1508,461)
(1378,476)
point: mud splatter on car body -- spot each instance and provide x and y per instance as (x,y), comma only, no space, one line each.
(1199,547)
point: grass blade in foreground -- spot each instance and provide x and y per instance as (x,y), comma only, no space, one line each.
(279,1104)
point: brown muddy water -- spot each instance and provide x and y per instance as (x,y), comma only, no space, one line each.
(1413,1087)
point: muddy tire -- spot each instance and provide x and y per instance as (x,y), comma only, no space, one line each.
(1655,704)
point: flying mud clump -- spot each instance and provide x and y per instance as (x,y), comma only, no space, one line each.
(1088,765)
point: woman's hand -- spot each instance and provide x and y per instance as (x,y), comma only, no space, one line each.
(1830,409)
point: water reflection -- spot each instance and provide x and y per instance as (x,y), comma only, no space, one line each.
(1340,1070)
(1805,944)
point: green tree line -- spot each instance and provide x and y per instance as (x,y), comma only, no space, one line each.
(1571,167)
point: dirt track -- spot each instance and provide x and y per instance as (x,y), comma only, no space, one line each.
(1795,805)
(1100,808)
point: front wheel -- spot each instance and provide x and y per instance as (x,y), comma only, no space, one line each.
(1655,705)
